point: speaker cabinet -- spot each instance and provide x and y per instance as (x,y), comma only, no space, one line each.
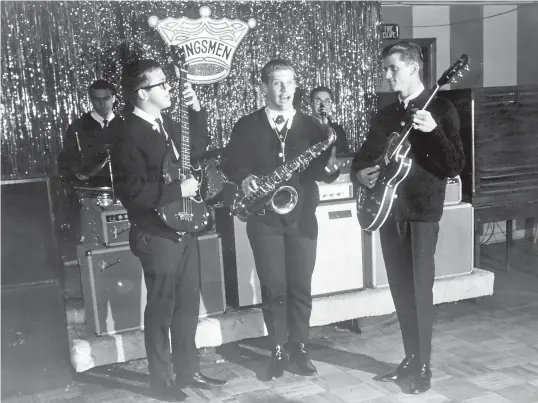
(338,260)
(453,255)
(339,252)
(212,294)
(29,245)
(114,291)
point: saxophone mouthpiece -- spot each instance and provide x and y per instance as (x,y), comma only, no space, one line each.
(324,118)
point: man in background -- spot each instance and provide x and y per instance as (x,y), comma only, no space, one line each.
(84,160)
(321,104)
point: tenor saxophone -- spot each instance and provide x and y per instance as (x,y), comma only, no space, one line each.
(271,192)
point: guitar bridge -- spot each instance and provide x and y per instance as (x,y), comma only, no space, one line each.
(184,216)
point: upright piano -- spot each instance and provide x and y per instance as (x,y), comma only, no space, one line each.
(499,129)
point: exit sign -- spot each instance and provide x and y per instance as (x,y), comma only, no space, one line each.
(390,31)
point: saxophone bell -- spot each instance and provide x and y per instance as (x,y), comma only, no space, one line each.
(283,200)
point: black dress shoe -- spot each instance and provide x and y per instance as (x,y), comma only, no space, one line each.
(166,391)
(279,362)
(300,360)
(405,368)
(201,381)
(421,381)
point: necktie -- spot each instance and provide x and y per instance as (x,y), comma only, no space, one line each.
(105,122)
(169,141)
(279,119)
(402,105)
(161,128)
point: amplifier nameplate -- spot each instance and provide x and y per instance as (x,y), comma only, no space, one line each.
(334,215)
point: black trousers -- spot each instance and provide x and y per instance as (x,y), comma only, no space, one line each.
(285,255)
(171,273)
(408,251)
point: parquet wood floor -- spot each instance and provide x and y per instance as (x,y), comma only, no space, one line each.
(484,351)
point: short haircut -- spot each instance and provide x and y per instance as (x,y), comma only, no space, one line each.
(135,75)
(275,65)
(101,85)
(409,52)
(321,88)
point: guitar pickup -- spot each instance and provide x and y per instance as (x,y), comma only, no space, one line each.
(184,216)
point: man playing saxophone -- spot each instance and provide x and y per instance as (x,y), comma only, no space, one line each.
(283,235)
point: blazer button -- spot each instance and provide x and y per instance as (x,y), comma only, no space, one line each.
(402,123)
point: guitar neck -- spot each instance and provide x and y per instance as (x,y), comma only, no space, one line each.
(185,152)
(409,125)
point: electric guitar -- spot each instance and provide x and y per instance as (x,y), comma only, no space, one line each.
(374,205)
(188,214)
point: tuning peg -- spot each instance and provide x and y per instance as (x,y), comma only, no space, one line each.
(466,67)
(460,74)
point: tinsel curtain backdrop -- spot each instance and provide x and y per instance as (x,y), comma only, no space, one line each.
(51,51)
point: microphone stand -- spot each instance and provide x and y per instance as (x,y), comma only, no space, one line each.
(107,150)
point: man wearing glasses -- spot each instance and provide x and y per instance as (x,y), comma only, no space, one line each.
(169,260)
(321,103)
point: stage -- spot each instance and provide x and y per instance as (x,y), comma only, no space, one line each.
(88,350)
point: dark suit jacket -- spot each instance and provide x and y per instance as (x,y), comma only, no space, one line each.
(342,147)
(436,156)
(137,162)
(254,147)
(93,142)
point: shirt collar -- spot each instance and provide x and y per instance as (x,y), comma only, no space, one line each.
(414,95)
(147,117)
(100,119)
(272,115)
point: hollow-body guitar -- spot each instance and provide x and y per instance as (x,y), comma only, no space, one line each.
(374,205)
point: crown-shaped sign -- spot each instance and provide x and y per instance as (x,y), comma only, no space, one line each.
(209,45)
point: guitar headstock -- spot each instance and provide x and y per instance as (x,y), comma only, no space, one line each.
(456,69)
(177,57)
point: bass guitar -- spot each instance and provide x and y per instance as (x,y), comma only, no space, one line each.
(188,214)
(374,205)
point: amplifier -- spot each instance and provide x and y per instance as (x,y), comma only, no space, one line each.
(453,191)
(340,189)
(114,291)
(103,225)
(212,294)
(454,253)
(116,226)
(339,257)
(113,288)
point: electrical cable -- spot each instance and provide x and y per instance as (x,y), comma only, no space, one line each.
(483,242)
(474,19)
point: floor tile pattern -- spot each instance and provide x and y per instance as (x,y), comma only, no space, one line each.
(484,351)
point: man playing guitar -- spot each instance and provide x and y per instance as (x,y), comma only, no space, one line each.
(169,259)
(409,235)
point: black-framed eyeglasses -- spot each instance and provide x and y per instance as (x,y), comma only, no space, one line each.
(162,84)
(318,101)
